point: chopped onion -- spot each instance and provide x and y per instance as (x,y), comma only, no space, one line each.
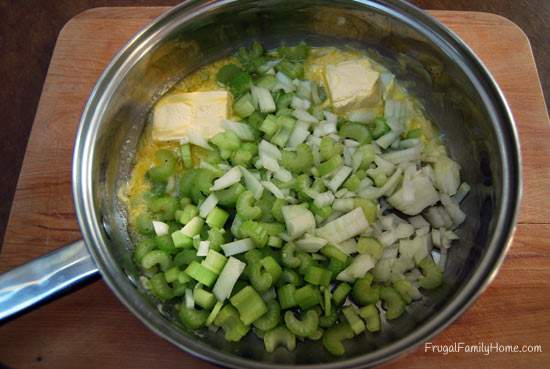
(276,191)
(228,179)
(453,209)
(229,275)
(242,130)
(252,183)
(358,268)
(298,103)
(208,205)
(264,98)
(303,115)
(347,226)
(311,244)
(298,220)
(299,134)
(339,178)
(323,199)
(161,228)
(204,246)
(237,247)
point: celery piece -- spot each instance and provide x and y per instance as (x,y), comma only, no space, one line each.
(217,218)
(318,276)
(191,318)
(307,296)
(193,227)
(379,127)
(246,208)
(165,168)
(214,261)
(393,303)
(330,165)
(302,328)
(249,304)
(356,323)
(144,224)
(229,196)
(369,245)
(355,131)
(277,337)
(234,329)
(188,213)
(155,257)
(244,107)
(333,337)
(204,299)
(255,231)
(340,293)
(286,295)
(160,287)
(371,314)
(299,161)
(270,319)
(186,158)
(201,274)
(432,274)
(363,292)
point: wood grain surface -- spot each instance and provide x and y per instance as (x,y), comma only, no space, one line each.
(91,329)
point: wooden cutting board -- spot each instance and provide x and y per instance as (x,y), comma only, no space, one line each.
(90,328)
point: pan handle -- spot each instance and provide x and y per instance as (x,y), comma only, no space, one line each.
(44,277)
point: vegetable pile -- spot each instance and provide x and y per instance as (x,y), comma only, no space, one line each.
(297,222)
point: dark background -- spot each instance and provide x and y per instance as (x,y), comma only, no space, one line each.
(29,28)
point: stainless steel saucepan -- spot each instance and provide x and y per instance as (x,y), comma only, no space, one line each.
(459,95)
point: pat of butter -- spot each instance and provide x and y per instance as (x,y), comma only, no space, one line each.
(352,85)
(201,113)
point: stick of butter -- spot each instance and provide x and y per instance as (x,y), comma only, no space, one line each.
(352,85)
(202,113)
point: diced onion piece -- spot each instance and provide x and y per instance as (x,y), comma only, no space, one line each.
(264,98)
(229,275)
(208,205)
(298,220)
(298,103)
(303,115)
(343,204)
(418,221)
(299,134)
(228,179)
(189,299)
(311,244)
(358,268)
(362,115)
(242,130)
(266,148)
(339,178)
(462,192)
(161,228)
(323,199)
(204,246)
(198,140)
(348,247)
(401,156)
(447,175)
(347,226)
(237,247)
(276,191)
(386,140)
(424,195)
(252,183)
(453,209)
